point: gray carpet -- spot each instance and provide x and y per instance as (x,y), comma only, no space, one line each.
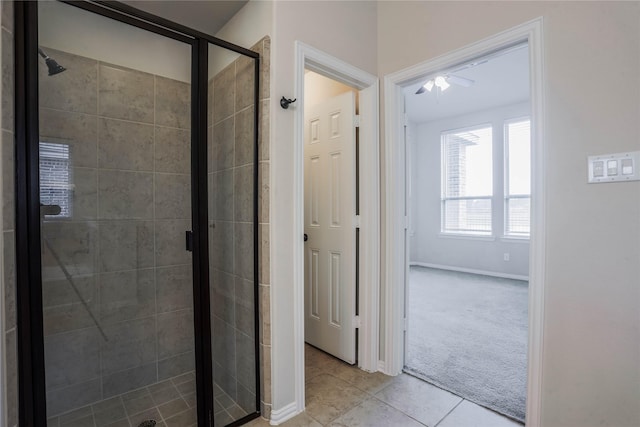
(468,334)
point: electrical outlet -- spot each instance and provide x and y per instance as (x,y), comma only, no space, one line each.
(506,256)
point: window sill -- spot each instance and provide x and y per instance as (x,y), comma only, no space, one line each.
(514,239)
(481,237)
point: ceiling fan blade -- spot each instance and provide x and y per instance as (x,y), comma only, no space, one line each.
(421,90)
(460,81)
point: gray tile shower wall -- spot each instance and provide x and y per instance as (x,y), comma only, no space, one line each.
(231,171)
(263,47)
(7,243)
(123,243)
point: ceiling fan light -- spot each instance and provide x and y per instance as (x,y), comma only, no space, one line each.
(429,85)
(441,82)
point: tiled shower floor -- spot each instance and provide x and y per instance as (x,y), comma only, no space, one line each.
(172,403)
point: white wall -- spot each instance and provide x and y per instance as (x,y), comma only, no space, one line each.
(346,30)
(253,22)
(76,31)
(591,347)
(427,244)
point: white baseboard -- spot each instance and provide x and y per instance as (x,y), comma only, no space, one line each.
(278,416)
(470,270)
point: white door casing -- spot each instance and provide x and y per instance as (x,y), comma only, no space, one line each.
(330,255)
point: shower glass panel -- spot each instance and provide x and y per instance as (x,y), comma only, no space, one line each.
(115,193)
(232,219)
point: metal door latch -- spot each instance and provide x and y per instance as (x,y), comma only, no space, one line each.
(189,240)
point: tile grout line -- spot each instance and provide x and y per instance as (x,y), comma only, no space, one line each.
(448,413)
(155,266)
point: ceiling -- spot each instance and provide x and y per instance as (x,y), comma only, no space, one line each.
(205,16)
(503,80)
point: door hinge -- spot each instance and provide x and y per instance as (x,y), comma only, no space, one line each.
(406,323)
(406,222)
(356,322)
(356,221)
(189,240)
(406,119)
(356,120)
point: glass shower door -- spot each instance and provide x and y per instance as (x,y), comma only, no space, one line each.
(115,194)
(232,233)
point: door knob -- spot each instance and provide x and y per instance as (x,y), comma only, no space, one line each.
(306,237)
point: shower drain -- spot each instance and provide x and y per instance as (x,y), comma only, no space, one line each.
(147,423)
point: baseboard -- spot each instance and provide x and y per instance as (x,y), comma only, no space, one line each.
(470,270)
(278,416)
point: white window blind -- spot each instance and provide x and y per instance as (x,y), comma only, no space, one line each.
(517,204)
(467,181)
(55,177)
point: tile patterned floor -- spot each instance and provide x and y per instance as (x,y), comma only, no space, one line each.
(339,395)
(171,403)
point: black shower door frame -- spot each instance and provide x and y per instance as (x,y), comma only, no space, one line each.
(31,366)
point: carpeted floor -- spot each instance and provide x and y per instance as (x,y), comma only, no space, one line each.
(468,334)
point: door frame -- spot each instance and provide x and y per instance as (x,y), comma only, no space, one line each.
(367,84)
(395,260)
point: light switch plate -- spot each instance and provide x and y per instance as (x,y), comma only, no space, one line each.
(614,167)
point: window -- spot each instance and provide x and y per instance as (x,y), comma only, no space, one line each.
(517,202)
(55,177)
(467,181)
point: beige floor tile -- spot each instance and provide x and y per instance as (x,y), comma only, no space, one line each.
(258,422)
(374,413)
(468,414)
(418,399)
(329,397)
(302,420)
(365,381)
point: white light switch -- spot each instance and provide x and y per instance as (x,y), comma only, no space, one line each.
(614,167)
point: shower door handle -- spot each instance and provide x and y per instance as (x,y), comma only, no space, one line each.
(189,240)
(50,210)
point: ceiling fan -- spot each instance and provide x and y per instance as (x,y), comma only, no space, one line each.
(443,81)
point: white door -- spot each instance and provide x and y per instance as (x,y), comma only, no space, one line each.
(329,218)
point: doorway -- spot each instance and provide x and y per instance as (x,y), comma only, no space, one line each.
(397,204)
(468,132)
(307,57)
(137,298)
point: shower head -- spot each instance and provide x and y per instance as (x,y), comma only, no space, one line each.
(54,67)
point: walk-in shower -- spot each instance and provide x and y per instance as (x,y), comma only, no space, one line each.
(138,243)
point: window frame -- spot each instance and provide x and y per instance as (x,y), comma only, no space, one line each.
(471,234)
(506,234)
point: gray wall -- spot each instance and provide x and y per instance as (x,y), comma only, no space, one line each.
(231,172)
(7,239)
(427,244)
(231,228)
(129,137)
